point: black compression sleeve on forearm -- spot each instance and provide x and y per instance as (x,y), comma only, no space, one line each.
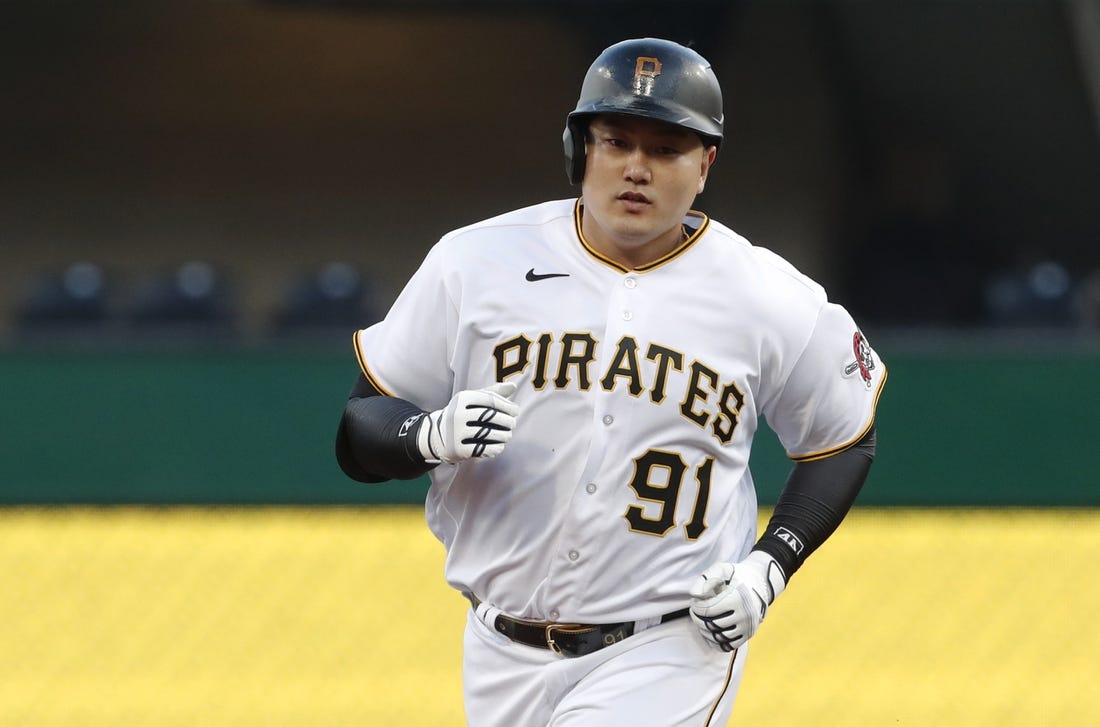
(374,443)
(815,500)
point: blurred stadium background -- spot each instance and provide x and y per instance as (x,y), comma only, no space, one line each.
(200,199)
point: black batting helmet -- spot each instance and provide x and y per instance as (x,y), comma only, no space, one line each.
(649,77)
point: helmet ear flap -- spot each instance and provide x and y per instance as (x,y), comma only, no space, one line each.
(573,140)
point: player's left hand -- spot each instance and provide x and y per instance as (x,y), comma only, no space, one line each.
(730,600)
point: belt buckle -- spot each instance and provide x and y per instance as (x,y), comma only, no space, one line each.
(575,629)
(553,645)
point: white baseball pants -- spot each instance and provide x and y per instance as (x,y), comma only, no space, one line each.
(664,676)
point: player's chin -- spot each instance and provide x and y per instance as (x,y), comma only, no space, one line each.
(641,225)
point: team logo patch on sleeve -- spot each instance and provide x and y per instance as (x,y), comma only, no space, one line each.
(865,361)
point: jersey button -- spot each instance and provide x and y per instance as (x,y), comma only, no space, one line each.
(608,419)
(554,614)
(627,315)
(590,488)
(630,283)
(574,555)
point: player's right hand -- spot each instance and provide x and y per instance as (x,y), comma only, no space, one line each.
(475,423)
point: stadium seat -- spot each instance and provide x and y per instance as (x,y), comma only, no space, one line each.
(195,300)
(1040,295)
(72,301)
(334,299)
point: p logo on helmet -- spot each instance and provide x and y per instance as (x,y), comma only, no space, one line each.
(645,73)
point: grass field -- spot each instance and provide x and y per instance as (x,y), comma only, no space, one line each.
(278,616)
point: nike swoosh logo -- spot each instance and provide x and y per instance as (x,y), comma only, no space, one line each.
(533,277)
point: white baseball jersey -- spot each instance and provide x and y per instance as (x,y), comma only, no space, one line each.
(639,392)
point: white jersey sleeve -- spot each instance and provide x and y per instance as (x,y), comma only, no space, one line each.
(828,400)
(407,354)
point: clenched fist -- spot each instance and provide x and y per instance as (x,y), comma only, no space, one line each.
(730,600)
(475,423)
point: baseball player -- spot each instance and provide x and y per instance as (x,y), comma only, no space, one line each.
(583,379)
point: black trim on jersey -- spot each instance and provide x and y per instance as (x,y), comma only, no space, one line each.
(833,451)
(725,688)
(376,387)
(815,500)
(693,237)
(375,441)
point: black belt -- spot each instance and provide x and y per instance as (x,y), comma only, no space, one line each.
(565,639)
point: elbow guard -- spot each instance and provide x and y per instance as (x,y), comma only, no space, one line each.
(376,440)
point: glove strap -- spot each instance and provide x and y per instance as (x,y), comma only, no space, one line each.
(429,439)
(771,570)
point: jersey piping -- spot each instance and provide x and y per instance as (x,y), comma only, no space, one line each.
(666,258)
(725,688)
(363,365)
(810,457)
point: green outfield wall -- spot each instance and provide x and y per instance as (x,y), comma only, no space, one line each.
(962,425)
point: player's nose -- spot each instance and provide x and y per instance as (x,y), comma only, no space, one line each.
(637,169)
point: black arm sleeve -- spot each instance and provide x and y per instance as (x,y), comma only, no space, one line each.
(816,498)
(374,441)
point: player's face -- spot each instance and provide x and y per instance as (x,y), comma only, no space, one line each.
(641,177)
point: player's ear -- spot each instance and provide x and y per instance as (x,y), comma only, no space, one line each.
(710,153)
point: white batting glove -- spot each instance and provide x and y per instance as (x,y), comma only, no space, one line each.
(475,423)
(730,600)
